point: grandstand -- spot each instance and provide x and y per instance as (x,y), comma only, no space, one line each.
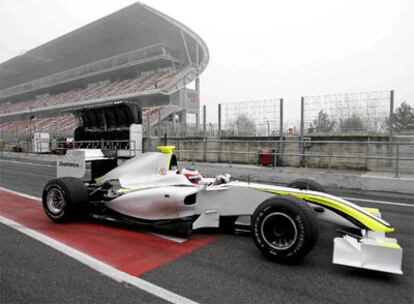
(136,54)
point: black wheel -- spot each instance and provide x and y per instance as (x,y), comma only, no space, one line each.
(307,184)
(63,197)
(284,228)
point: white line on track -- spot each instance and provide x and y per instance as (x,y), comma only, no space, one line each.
(377,202)
(99,266)
(29,163)
(21,194)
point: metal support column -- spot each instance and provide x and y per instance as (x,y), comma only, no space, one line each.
(148,123)
(219,133)
(390,148)
(31,131)
(219,121)
(197,117)
(280,133)
(204,133)
(204,121)
(184,122)
(197,88)
(302,127)
(148,133)
(159,124)
(391,118)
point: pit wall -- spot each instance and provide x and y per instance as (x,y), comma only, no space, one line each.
(347,152)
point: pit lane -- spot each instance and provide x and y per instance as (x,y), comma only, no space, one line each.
(227,270)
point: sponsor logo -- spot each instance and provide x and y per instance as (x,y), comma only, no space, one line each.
(67,164)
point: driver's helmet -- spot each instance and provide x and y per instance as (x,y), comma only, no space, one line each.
(193,175)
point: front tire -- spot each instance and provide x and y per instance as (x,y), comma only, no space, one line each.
(63,197)
(284,228)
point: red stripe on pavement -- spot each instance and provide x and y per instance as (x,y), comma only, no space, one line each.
(128,250)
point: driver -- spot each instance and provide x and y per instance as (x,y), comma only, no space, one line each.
(193,175)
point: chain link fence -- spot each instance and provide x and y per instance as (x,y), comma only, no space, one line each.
(251,118)
(347,113)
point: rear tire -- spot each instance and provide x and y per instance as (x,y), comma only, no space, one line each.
(307,184)
(63,197)
(284,228)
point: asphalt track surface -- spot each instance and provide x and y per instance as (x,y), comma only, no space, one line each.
(227,270)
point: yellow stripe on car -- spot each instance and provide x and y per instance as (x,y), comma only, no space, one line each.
(364,219)
(392,245)
(372,210)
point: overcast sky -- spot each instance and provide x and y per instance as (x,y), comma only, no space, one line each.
(258,49)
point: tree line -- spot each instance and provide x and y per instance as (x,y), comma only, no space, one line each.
(402,120)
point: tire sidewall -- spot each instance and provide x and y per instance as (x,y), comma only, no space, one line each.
(301,245)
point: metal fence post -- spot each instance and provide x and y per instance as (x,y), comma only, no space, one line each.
(159,124)
(219,158)
(391,118)
(204,121)
(397,162)
(184,122)
(148,131)
(205,144)
(302,127)
(219,121)
(148,123)
(280,154)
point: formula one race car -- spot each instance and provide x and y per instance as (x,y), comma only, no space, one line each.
(149,190)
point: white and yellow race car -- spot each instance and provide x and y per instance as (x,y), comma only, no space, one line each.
(150,191)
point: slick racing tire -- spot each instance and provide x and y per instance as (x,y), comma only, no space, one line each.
(63,197)
(284,228)
(307,184)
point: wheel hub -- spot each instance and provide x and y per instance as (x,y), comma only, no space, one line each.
(55,200)
(279,231)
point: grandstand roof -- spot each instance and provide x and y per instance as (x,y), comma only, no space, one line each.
(134,27)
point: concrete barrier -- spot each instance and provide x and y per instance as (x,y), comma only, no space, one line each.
(346,179)
(373,181)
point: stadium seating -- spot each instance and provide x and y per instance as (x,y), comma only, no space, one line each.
(66,123)
(144,83)
(50,125)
